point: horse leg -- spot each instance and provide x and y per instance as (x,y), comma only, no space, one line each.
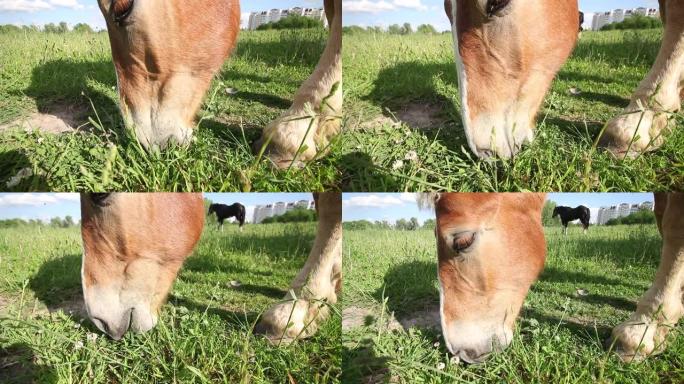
(314,117)
(317,284)
(661,306)
(650,114)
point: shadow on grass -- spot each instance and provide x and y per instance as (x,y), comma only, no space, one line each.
(359,173)
(59,83)
(583,329)
(14,163)
(58,283)
(233,317)
(362,365)
(18,365)
(409,287)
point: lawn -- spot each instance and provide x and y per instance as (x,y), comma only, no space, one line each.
(404,133)
(205,329)
(391,321)
(72,76)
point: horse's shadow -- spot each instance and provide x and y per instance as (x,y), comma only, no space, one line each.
(57,284)
(59,85)
(18,364)
(409,287)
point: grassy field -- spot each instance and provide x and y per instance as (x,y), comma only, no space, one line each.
(205,330)
(402,96)
(72,74)
(391,281)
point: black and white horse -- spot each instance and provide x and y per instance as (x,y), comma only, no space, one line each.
(223,212)
(568,214)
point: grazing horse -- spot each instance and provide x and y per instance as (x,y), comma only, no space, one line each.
(166,53)
(568,214)
(491,248)
(134,244)
(507,53)
(223,212)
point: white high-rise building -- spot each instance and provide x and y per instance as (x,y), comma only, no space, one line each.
(257,19)
(261,212)
(601,19)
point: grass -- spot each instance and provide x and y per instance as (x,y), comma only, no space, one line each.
(52,73)
(559,337)
(388,75)
(205,330)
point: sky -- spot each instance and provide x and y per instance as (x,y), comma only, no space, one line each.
(44,206)
(386,12)
(394,206)
(40,12)
(356,12)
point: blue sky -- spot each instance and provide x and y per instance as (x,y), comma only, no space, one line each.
(356,12)
(386,12)
(393,206)
(40,12)
(44,206)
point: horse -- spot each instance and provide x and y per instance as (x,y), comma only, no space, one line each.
(508,52)
(166,53)
(134,245)
(568,214)
(491,248)
(224,211)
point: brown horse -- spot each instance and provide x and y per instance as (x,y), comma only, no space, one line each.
(507,53)
(134,244)
(491,249)
(166,53)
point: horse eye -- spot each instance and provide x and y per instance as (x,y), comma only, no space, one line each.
(463,241)
(99,199)
(494,6)
(121,9)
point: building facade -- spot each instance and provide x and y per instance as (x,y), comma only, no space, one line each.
(261,212)
(621,210)
(601,19)
(257,19)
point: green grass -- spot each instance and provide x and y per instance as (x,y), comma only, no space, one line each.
(385,73)
(49,73)
(205,330)
(559,337)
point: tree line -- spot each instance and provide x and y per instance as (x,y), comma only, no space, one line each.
(411,224)
(634,22)
(62,27)
(394,29)
(292,22)
(297,215)
(56,222)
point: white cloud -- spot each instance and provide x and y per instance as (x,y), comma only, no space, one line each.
(413,4)
(370,6)
(380,200)
(37,5)
(367,6)
(36,199)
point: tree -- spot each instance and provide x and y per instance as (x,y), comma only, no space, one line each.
(394,29)
(297,215)
(429,224)
(406,29)
(292,22)
(547,212)
(426,29)
(644,216)
(82,28)
(634,22)
(68,222)
(413,224)
(401,224)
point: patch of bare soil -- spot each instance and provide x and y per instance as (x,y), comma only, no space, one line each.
(353,317)
(72,306)
(420,115)
(58,118)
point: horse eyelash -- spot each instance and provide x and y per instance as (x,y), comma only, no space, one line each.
(494,6)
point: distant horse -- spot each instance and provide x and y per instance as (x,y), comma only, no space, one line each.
(568,214)
(223,212)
